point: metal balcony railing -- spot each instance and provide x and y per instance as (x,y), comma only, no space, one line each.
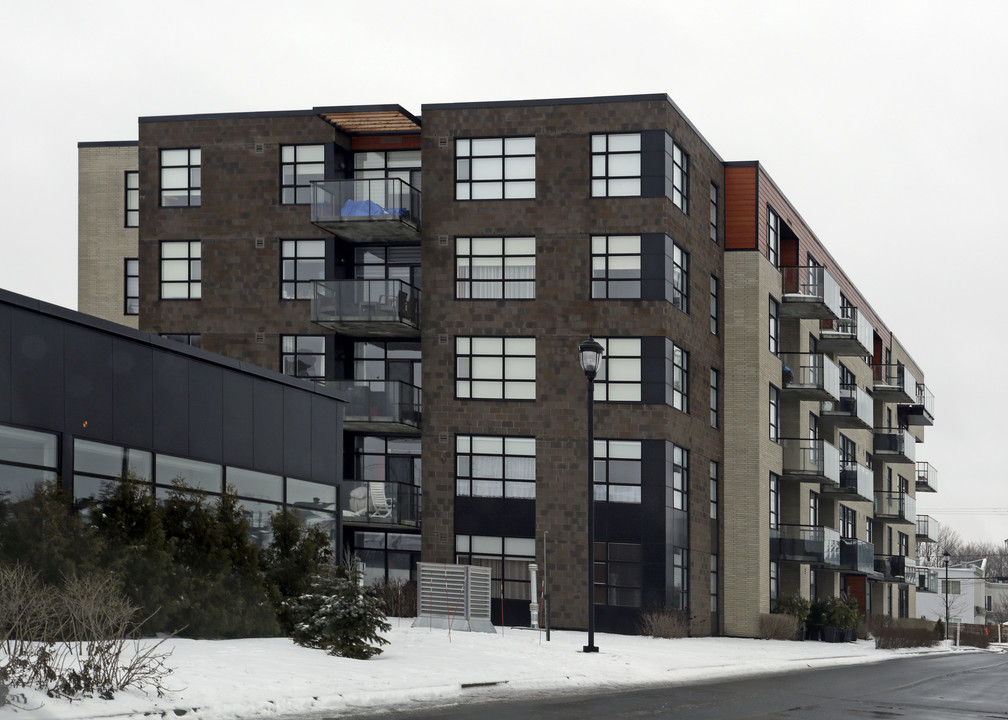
(379,209)
(854,409)
(811,376)
(380,405)
(809,292)
(895,445)
(891,567)
(856,482)
(810,460)
(921,410)
(857,556)
(927,477)
(894,383)
(811,544)
(364,308)
(927,579)
(928,529)
(389,503)
(851,334)
(896,506)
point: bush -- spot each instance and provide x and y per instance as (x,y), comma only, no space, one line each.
(777,626)
(794,605)
(340,616)
(665,622)
(894,637)
(294,555)
(398,597)
(974,638)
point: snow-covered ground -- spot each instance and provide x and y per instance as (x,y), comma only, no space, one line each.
(275,677)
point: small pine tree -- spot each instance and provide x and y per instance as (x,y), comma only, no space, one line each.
(293,557)
(340,615)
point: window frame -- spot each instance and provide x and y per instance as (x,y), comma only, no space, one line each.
(622,459)
(680,478)
(131,199)
(680,176)
(296,260)
(601,178)
(466,160)
(190,283)
(774,328)
(680,378)
(773,237)
(715,406)
(715,478)
(714,199)
(464,351)
(680,277)
(127,294)
(464,247)
(297,353)
(194,170)
(510,487)
(715,304)
(774,413)
(295,164)
(628,557)
(602,260)
(619,352)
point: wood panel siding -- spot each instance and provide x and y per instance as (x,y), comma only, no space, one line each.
(740,206)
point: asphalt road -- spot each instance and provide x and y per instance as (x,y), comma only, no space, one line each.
(930,687)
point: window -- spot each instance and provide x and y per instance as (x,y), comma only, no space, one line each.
(495,168)
(507,557)
(180,178)
(618,574)
(680,477)
(677,185)
(773,237)
(680,579)
(679,387)
(814,585)
(495,368)
(954,587)
(774,414)
(713,211)
(393,262)
(131,286)
(375,360)
(774,586)
(848,520)
(388,555)
(713,490)
(774,500)
(132,199)
(619,375)
(713,583)
(904,544)
(27,458)
(494,268)
(299,166)
(617,471)
(393,462)
(494,467)
(616,165)
(392,164)
(989,603)
(774,326)
(181,270)
(813,508)
(680,277)
(848,451)
(301,262)
(869,530)
(713,397)
(190,339)
(713,305)
(904,601)
(616,266)
(303,356)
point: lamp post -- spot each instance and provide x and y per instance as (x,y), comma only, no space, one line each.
(590,355)
(946,557)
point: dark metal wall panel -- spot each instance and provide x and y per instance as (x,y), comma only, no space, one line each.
(237,420)
(171,403)
(267,433)
(495,516)
(653,163)
(206,414)
(653,370)
(296,433)
(88,378)
(36,370)
(326,440)
(5,364)
(132,393)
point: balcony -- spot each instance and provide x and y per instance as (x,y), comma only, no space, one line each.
(894,383)
(810,544)
(380,406)
(381,503)
(927,477)
(367,308)
(927,579)
(380,210)
(920,412)
(809,293)
(892,568)
(852,334)
(810,376)
(857,556)
(928,529)
(895,445)
(857,483)
(855,410)
(810,461)
(895,506)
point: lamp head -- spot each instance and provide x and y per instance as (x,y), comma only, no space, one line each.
(590,356)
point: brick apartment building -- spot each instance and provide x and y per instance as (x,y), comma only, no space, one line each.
(755,420)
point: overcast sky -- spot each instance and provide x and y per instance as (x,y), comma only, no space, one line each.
(882,121)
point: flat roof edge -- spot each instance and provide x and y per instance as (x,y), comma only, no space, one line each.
(107,143)
(226,115)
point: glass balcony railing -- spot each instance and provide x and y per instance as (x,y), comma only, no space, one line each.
(364,308)
(928,529)
(851,334)
(927,579)
(927,477)
(372,210)
(855,409)
(921,410)
(856,482)
(896,506)
(381,502)
(380,405)
(811,544)
(894,383)
(809,292)
(895,445)
(891,567)
(810,460)
(811,376)
(857,556)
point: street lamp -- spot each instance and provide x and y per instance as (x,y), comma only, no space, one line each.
(946,557)
(590,355)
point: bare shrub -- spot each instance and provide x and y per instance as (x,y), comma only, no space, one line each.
(399,597)
(780,627)
(974,638)
(894,637)
(665,622)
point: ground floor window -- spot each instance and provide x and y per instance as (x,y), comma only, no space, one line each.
(678,596)
(507,557)
(618,574)
(387,555)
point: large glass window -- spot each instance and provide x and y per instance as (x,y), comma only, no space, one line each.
(196,475)
(774,326)
(392,164)
(190,339)
(773,237)
(713,211)
(616,266)
(714,474)
(131,286)
(495,368)
(303,356)
(618,471)
(848,522)
(774,413)
(618,574)
(495,466)
(495,267)
(387,555)
(677,174)
(392,262)
(507,557)
(394,464)
(131,202)
(27,458)
(301,263)
(299,166)
(395,361)
(616,165)
(713,583)
(677,378)
(180,178)
(680,477)
(714,382)
(680,579)
(495,168)
(619,374)
(714,305)
(774,500)
(181,270)
(680,277)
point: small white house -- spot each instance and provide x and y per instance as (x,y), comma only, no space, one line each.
(966,593)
